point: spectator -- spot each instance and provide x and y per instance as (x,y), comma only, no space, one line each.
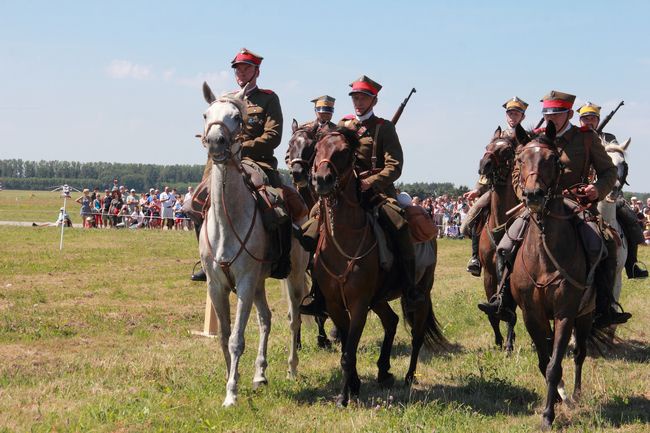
(86,209)
(131,201)
(97,209)
(106,221)
(137,218)
(167,201)
(115,207)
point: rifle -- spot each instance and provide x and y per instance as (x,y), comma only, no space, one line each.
(398,113)
(606,120)
(539,123)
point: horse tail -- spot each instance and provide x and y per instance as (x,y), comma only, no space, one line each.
(433,336)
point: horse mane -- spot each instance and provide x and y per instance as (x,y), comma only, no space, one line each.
(350,136)
(540,137)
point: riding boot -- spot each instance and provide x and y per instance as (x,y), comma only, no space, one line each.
(200,275)
(413,298)
(314,303)
(502,304)
(606,314)
(632,268)
(474,264)
(307,235)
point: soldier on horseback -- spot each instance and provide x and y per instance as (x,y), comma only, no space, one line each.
(379,163)
(260,135)
(515,114)
(580,150)
(590,117)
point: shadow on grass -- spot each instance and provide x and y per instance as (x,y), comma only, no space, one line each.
(485,396)
(620,411)
(625,350)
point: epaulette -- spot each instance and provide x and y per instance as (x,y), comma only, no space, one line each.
(349,117)
(267,91)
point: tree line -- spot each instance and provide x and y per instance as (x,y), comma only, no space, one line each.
(44,175)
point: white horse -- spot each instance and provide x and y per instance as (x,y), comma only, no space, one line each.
(607,209)
(234,246)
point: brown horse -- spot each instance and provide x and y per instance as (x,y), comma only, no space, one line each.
(300,156)
(496,165)
(549,273)
(348,271)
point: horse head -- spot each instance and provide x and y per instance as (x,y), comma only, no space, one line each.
(498,159)
(334,161)
(617,153)
(223,122)
(540,169)
(301,152)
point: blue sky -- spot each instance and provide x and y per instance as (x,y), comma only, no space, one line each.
(120,81)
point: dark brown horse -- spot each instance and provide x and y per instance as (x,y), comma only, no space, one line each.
(348,271)
(549,274)
(496,165)
(300,156)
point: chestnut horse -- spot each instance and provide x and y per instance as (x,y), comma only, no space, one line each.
(348,271)
(496,165)
(550,270)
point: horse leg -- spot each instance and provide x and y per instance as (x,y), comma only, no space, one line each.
(351,381)
(389,322)
(498,338)
(417,339)
(236,343)
(582,331)
(221,305)
(554,385)
(490,284)
(264,322)
(510,337)
(323,341)
(294,286)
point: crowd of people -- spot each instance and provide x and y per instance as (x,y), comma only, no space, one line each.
(120,207)
(448,213)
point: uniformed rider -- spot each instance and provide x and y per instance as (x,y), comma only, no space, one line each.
(262,132)
(379,163)
(515,113)
(590,117)
(580,149)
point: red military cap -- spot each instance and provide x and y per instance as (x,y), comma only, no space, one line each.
(246,56)
(365,85)
(557,102)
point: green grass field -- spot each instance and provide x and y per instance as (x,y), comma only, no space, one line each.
(97,338)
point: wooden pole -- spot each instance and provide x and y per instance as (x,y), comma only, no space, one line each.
(210,319)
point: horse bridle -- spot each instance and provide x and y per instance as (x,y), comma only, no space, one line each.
(304,162)
(229,135)
(550,191)
(502,169)
(341,180)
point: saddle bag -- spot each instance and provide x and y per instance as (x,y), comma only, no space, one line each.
(421,225)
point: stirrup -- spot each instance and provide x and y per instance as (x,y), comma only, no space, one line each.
(474,267)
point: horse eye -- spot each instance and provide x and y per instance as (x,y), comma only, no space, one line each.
(238,118)
(205,116)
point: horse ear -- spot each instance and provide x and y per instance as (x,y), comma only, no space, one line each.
(294,126)
(550,131)
(497,133)
(242,92)
(207,93)
(521,134)
(626,143)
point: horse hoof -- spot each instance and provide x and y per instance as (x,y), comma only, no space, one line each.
(387,381)
(258,383)
(324,343)
(229,402)
(341,401)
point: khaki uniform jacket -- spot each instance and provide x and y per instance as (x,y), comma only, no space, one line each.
(263,130)
(572,144)
(390,158)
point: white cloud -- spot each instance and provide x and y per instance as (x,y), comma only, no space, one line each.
(125,69)
(168,74)
(218,81)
